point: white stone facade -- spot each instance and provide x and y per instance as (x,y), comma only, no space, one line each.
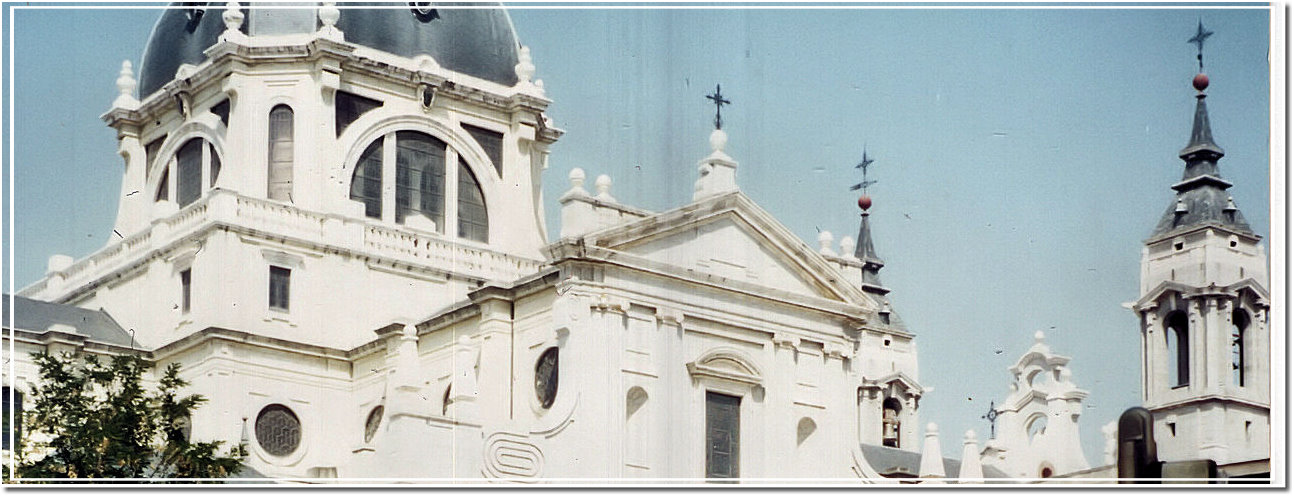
(285,291)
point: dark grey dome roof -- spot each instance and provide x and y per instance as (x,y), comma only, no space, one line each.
(478,42)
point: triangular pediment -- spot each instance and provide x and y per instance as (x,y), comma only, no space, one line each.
(730,238)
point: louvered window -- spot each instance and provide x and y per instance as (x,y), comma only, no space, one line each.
(280,154)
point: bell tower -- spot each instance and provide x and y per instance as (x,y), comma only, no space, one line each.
(1203,314)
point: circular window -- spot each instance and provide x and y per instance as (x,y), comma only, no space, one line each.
(278,430)
(372,423)
(546,377)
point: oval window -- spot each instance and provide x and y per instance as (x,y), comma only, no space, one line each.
(278,430)
(546,377)
(372,423)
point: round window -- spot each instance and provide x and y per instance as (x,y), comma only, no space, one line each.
(546,377)
(372,423)
(278,430)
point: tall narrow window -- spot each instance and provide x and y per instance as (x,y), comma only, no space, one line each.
(280,284)
(366,183)
(12,407)
(186,289)
(473,219)
(215,165)
(1179,348)
(1239,324)
(188,169)
(890,409)
(722,435)
(280,154)
(420,177)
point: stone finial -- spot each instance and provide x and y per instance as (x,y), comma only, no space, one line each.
(932,459)
(603,185)
(328,16)
(824,243)
(847,247)
(233,17)
(718,140)
(525,67)
(718,171)
(126,88)
(577,180)
(971,470)
(1038,337)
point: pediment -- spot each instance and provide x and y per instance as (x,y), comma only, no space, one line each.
(729,237)
(1156,294)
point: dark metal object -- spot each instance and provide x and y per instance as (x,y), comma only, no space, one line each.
(1138,458)
(864,165)
(719,102)
(991,416)
(546,377)
(1201,34)
(423,11)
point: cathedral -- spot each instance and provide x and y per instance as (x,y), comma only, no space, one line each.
(336,216)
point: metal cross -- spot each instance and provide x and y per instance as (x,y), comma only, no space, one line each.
(1201,34)
(867,162)
(991,416)
(719,102)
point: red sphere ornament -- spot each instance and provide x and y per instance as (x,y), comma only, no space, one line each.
(864,202)
(1200,82)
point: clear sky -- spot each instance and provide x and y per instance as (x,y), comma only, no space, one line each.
(1022,154)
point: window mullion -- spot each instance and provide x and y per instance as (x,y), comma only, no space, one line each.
(388,178)
(451,194)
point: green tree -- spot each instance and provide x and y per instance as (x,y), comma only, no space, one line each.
(96,420)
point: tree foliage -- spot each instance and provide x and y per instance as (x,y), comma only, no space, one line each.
(96,420)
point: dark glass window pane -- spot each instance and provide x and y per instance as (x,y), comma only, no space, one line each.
(12,406)
(222,111)
(420,177)
(186,286)
(150,153)
(546,377)
(349,107)
(280,154)
(280,284)
(278,431)
(188,167)
(164,186)
(723,433)
(473,219)
(215,165)
(491,142)
(366,182)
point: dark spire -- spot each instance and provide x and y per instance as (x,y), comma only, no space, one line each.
(865,251)
(1202,196)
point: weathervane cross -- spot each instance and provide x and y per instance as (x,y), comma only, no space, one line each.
(1201,34)
(719,102)
(867,162)
(991,416)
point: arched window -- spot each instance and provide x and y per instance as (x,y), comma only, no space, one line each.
(1179,348)
(420,177)
(546,377)
(189,161)
(1036,426)
(280,154)
(1239,324)
(890,409)
(188,169)
(366,183)
(473,220)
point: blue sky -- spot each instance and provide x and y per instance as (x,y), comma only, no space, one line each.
(1022,154)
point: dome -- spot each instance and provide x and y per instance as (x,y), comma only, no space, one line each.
(477,42)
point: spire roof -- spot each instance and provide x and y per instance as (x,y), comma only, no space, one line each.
(1202,197)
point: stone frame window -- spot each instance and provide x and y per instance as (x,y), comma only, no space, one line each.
(1239,330)
(280,154)
(186,290)
(373,422)
(278,430)
(280,288)
(722,435)
(546,377)
(196,164)
(1178,342)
